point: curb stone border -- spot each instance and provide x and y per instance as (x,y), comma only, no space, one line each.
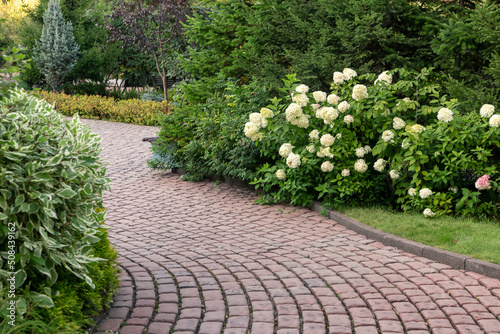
(454,260)
(457,261)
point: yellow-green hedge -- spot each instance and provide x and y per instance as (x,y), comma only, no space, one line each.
(106,108)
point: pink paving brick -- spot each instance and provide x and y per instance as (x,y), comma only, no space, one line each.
(223,257)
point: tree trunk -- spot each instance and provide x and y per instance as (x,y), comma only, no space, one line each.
(164,81)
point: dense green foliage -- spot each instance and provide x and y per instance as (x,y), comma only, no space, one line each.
(51,184)
(270,39)
(107,108)
(56,52)
(208,136)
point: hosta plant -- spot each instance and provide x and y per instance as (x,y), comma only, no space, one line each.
(51,183)
(391,137)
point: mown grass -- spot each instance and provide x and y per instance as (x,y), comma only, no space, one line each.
(479,239)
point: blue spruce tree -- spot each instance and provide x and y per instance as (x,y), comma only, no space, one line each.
(56,53)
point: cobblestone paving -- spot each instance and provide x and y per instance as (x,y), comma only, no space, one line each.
(203,258)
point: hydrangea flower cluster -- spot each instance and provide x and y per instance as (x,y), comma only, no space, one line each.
(384,77)
(327,114)
(293,160)
(487,111)
(445,115)
(346,172)
(280,174)
(348,119)
(483,183)
(296,116)
(425,192)
(398,123)
(387,135)
(285,150)
(379,165)
(428,213)
(319,96)
(327,166)
(257,121)
(301,99)
(343,106)
(333,99)
(360,166)
(327,140)
(394,174)
(359,92)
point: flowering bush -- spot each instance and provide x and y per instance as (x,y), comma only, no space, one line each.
(384,139)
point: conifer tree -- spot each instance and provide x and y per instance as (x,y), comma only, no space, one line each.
(56,52)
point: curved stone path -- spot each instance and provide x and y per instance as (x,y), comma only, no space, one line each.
(203,258)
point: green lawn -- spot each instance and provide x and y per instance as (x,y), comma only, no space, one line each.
(479,239)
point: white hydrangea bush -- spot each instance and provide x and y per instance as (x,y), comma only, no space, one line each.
(374,135)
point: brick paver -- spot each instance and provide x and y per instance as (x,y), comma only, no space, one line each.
(203,258)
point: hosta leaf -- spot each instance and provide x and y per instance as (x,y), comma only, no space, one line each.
(20,277)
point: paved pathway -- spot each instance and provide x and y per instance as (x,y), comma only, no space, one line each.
(202,258)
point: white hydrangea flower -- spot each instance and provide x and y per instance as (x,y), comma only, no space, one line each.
(368,149)
(343,106)
(319,96)
(338,77)
(495,121)
(280,174)
(315,106)
(310,148)
(425,192)
(338,136)
(360,152)
(251,130)
(349,73)
(394,174)
(293,160)
(314,134)
(302,121)
(327,140)
(387,135)
(454,189)
(264,123)
(266,113)
(285,150)
(293,111)
(445,115)
(329,114)
(437,153)
(333,99)
(301,99)
(256,118)
(384,77)
(327,166)
(302,89)
(346,172)
(324,152)
(360,166)
(487,110)
(417,128)
(348,119)
(412,192)
(379,165)
(428,213)
(359,92)
(319,112)
(398,123)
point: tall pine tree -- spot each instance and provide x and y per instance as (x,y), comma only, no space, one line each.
(56,52)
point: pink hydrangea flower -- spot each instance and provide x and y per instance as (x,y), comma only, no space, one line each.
(483,182)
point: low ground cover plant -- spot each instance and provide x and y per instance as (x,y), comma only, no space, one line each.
(392,138)
(135,111)
(53,242)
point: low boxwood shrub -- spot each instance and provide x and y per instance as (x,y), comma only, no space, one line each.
(393,138)
(51,185)
(106,108)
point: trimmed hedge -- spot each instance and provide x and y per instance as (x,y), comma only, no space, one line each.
(106,108)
